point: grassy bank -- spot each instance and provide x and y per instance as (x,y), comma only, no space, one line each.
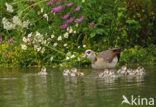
(11,55)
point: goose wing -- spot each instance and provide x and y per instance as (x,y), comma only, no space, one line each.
(108,55)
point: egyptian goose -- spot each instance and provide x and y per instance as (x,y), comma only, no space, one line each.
(105,59)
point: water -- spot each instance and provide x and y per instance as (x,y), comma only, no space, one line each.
(24,88)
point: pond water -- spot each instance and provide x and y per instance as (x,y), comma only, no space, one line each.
(24,88)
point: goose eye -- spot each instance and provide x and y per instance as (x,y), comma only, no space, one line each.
(88,52)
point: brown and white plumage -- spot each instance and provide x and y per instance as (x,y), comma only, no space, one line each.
(105,59)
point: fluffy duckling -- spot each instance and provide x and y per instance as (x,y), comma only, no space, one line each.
(123,72)
(140,70)
(74,70)
(75,73)
(43,71)
(110,73)
(66,72)
(106,71)
(119,71)
(101,74)
(135,71)
(79,74)
(132,73)
(124,68)
(129,72)
(72,74)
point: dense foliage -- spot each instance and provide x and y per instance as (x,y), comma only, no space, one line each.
(57,32)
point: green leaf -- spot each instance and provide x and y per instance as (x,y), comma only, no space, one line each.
(101,31)
(120,14)
(100,20)
(131,21)
(85,29)
(92,35)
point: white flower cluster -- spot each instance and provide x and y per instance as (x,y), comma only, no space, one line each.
(8,25)
(51,58)
(70,56)
(55,44)
(26,24)
(24,47)
(45,16)
(26,40)
(70,30)
(52,36)
(59,38)
(38,40)
(9,7)
(15,22)
(83,1)
(66,35)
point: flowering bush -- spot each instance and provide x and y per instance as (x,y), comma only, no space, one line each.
(11,54)
(53,32)
(138,55)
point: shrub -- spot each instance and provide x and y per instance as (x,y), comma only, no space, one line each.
(58,31)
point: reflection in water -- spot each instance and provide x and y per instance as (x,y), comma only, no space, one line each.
(28,89)
(35,86)
(8,78)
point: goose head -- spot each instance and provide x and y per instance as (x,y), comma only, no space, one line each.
(89,54)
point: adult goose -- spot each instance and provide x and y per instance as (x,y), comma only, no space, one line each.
(105,59)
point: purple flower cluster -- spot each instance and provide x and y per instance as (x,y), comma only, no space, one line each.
(66,16)
(69,4)
(59,2)
(57,9)
(10,41)
(6,55)
(1,39)
(77,9)
(80,19)
(91,24)
(70,20)
(50,2)
(64,26)
(30,40)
